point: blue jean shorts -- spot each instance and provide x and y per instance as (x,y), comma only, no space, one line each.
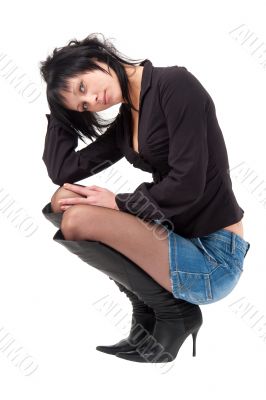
(205,269)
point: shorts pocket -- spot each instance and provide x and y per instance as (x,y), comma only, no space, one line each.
(192,287)
(238,259)
(201,245)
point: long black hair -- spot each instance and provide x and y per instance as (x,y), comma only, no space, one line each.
(70,61)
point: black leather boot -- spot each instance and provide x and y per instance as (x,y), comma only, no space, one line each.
(53,217)
(143,318)
(176,319)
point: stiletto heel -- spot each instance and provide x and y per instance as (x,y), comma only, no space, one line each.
(194,336)
(175,318)
(143,318)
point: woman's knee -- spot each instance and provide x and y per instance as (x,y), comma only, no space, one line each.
(80,221)
(61,193)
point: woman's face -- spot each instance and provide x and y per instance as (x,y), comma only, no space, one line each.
(90,91)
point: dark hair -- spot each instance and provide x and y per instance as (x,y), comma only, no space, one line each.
(70,61)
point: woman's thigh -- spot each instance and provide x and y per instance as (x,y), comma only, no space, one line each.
(143,242)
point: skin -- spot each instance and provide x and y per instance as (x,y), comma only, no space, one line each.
(87,94)
(87,90)
(122,231)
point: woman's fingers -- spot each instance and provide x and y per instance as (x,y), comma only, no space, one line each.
(75,188)
(65,207)
(73,200)
(82,190)
(95,187)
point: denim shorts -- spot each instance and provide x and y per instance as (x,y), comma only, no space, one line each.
(205,269)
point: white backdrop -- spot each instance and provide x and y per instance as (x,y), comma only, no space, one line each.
(53,306)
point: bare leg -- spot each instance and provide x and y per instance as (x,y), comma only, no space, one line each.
(145,243)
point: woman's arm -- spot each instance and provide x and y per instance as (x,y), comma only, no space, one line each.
(65,164)
(185,104)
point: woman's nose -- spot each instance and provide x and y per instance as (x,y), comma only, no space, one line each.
(95,100)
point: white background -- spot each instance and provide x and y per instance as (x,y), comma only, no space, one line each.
(50,301)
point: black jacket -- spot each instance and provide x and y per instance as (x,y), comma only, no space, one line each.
(180,143)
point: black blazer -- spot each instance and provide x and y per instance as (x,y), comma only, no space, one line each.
(179,141)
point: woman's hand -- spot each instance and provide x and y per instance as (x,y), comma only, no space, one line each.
(94,195)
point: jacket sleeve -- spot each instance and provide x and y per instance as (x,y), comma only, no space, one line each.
(65,164)
(184,103)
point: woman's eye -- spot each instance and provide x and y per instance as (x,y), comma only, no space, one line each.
(82,90)
(81,85)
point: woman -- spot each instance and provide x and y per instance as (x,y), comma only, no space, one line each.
(173,243)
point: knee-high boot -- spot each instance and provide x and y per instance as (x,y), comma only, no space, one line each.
(176,319)
(143,318)
(143,321)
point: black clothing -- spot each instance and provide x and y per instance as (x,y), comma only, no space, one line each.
(176,318)
(180,143)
